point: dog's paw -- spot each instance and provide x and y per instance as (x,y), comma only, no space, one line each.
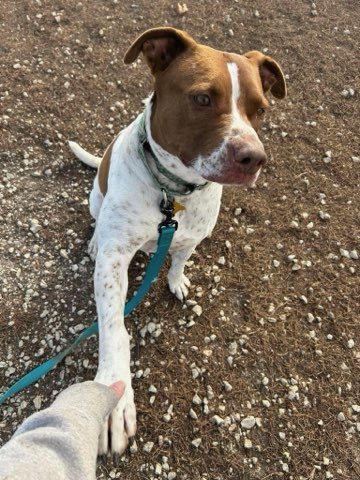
(92,248)
(179,286)
(118,428)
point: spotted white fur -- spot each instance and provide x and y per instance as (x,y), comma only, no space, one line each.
(126,221)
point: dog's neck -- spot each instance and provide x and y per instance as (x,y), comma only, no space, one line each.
(171,163)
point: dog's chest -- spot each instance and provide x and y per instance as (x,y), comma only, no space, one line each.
(195,222)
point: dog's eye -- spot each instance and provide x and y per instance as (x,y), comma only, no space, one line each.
(260,112)
(202,100)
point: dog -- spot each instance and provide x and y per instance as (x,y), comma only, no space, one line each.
(200,129)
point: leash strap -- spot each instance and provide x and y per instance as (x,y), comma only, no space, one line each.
(166,233)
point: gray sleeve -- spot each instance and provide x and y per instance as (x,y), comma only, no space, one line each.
(60,442)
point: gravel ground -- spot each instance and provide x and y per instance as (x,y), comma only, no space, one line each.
(256,376)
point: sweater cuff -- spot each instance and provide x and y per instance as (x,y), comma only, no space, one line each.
(92,397)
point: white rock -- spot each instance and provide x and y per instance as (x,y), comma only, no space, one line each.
(341,417)
(266,403)
(304,299)
(152,389)
(148,447)
(351,343)
(151,327)
(356,408)
(166,417)
(207,352)
(247,443)
(35,225)
(210,392)
(248,422)
(217,420)
(192,414)
(310,317)
(37,402)
(196,399)
(227,386)
(276,263)
(182,8)
(197,309)
(354,255)
(323,215)
(196,442)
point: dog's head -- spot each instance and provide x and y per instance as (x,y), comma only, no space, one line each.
(208,105)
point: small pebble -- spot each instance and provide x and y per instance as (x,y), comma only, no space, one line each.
(148,447)
(247,443)
(227,386)
(196,442)
(197,309)
(341,417)
(217,420)
(248,422)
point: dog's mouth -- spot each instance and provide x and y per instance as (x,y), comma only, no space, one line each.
(234,178)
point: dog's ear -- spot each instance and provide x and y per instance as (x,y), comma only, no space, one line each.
(272,77)
(160,46)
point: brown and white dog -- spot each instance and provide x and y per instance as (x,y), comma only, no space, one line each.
(201,127)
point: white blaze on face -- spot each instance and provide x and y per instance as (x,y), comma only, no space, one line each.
(237,122)
(214,164)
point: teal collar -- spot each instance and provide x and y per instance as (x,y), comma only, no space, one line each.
(156,168)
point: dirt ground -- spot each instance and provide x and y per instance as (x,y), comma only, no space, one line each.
(278,339)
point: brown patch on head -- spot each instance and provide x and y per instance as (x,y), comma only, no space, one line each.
(182,126)
(192,102)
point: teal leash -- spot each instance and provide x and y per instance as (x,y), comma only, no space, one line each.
(166,232)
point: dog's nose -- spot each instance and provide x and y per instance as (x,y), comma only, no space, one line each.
(249,157)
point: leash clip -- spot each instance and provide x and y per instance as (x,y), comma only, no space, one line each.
(167,209)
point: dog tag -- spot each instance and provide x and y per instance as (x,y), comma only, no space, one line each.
(178,207)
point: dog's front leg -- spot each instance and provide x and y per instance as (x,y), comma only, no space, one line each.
(178,281)
(111,283)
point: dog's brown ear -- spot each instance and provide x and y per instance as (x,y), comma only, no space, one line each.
(272,77)
(160,46)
